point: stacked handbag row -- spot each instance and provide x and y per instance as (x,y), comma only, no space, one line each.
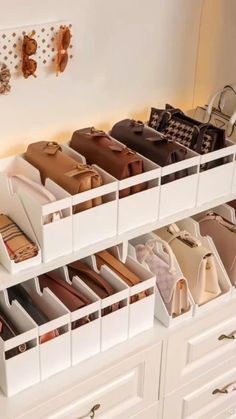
(67,191)
(68,315)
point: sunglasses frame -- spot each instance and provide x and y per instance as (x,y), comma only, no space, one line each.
(64,39)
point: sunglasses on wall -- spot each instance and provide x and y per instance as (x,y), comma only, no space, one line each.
(29,47)
(64,38)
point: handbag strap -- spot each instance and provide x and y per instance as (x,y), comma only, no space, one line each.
(69,288)
(213,216)
(183,235)
(221,94)
(81,267)
(150,245)
(80,168)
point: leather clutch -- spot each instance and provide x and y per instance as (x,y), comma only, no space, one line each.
(74,177)
(129,277)
(196,262)
(172,286)
(96,282)
(98,147)
(72,298)
(9,331)
(223,235)
(151,144)
(18,292)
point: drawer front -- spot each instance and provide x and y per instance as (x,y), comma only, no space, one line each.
(200,346)
(122,391)
(198,401)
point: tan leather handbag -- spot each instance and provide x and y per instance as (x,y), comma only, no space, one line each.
(99,148)
(74,177)
(196,262)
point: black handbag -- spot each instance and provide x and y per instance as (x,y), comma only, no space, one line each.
(153,145)
(202,138)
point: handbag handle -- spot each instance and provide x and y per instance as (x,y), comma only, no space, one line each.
(150,244)
(221,103)
(213,216)
(184,235)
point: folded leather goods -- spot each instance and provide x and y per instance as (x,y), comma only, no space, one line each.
(121,162)
(18,292)
(70,296)
(8,331)
(172,286)
(196,262)
(202,138)
(74,177)
(95,281)
(19,246)
(37,191)
(223,234)
(129,277)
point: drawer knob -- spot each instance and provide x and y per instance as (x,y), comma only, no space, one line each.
(225,390)
(230,336)
(91,413)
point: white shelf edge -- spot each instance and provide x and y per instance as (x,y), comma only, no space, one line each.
(7,279)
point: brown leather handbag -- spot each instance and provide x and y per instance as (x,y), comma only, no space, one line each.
(121,162)
(151,144)
(96,282)
(67,294)
(129,277)
(74,177)
(8,331)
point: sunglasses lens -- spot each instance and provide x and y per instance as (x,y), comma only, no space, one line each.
(30,46)
(66,39)
(63,62)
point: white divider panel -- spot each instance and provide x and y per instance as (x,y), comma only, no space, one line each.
(55,237)
(97,223)
(218,181)
(161,312)
(55,355)
(22,370)
(11,206)
(192,227)
(180,194)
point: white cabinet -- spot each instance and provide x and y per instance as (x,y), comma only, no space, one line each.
(122,391)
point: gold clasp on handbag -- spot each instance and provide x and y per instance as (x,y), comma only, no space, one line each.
(51,148)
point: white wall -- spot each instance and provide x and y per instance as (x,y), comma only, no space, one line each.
(216,58)
(130,54)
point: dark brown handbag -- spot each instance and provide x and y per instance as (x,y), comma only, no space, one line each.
(8,331)
(151,144)
(96,282)
(99,148)
(74,177)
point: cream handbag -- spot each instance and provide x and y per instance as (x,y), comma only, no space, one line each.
(172,286)
(196,262)
(223,234)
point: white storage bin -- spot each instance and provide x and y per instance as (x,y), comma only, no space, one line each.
(22,370)
(161,312)
(11,206)
(55,355)
(140,208)
(97,223)
(85,339)
(192,227)
(114,326)
(141,312)
(55,237)
(180,194)
(217,182)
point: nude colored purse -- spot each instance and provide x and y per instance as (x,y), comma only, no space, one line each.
(223,234)
(196,262)
(172,286)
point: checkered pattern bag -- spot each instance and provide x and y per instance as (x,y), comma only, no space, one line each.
(202,138)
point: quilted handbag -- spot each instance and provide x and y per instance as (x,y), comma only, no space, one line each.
(223,234)
(196,262)
(8,331)
(215,112)
(202,138)
(99,148)
(172,286)
(74,177)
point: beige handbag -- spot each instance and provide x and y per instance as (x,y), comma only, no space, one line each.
(223,235)
(196,262)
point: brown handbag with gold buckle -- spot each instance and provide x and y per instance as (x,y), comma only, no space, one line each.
(74,177)
(99,148)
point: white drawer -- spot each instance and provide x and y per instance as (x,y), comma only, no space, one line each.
(122,391)
(197,401)
(196,348)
